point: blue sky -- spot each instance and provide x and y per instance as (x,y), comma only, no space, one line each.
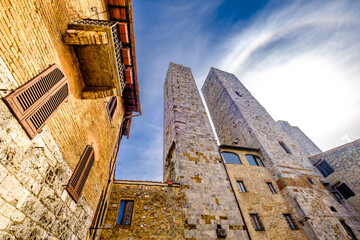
(300,59)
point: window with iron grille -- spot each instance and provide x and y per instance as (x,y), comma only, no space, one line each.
(34,103)
(257,222)
(81,173)
(254,160)
(271,187)
(241,186)
(125,212)
(111,107)
(325,168)
(231,157)
(290,221)
(345,191)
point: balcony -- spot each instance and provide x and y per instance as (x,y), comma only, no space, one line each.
(98,47)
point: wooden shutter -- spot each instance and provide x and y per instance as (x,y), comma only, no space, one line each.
(128,76)
(34,103)
(81,173)
(111,107)
(126,56)
(124,38)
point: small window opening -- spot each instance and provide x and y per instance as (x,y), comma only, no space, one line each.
(290,221)
(283,145)
(239,94)
(257,222)
(345,191)
(241,186)
(271,187)
(310,181)
(125,212)
(325,168)
(254,161)
(348,230)
(230,158)
(333,209)
(337,195)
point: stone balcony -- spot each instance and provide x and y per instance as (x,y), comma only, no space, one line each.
(98,48)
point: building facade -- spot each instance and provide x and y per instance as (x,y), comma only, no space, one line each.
(69,89)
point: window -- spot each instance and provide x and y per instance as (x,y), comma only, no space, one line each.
(345,191)
(125,212)
(337,195)
(34,103)
(230,158)
(111,107)
(254,160)
(257,222)
(272,189)
(81,172)
(348,230)
(290,221)
(310,181)
(241,186)
(325,168)
(238,93)
(283,145)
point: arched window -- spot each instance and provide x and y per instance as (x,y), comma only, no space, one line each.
(254,160)
(230,158)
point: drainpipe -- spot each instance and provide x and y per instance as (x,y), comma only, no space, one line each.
(237,202)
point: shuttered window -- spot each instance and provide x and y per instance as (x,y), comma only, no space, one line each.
(345,191)
(124,38)
(111,107)
(126,56)
(128,76)
(34,103)
(325,168)
(81,173)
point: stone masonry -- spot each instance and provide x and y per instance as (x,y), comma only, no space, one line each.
(240,120)
(191,158)
(305,144)
(157,211)
(345,160)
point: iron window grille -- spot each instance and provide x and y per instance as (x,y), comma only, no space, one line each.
(257,222)
(241,186)
(271,187)
(290,221)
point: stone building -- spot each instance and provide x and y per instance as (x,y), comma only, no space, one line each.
(69,89)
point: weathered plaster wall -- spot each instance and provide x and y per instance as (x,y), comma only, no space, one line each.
(157,211)
(305,144)
(259,199)
(345,160)
(240,120)
(207,197)
(34,174)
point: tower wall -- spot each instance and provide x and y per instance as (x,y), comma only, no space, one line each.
(191,157)
(305,144)
(240,120)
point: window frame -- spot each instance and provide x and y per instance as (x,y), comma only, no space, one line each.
(257,160)
(122,221)
(241,185)
(240,163)
(256,221)
(290,221)
(271,187)
(325,168)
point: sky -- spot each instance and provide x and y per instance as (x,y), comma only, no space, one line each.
(299,59)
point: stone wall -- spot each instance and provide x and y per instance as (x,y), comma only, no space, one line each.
(34,173)
(157,212)
(345,160)
(305,144)
(191,158)
(240,120)
(259,199)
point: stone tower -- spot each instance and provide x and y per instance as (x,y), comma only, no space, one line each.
(191,158)
(240,120)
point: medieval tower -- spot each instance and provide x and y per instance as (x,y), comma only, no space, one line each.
(191,158)
(240,121)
